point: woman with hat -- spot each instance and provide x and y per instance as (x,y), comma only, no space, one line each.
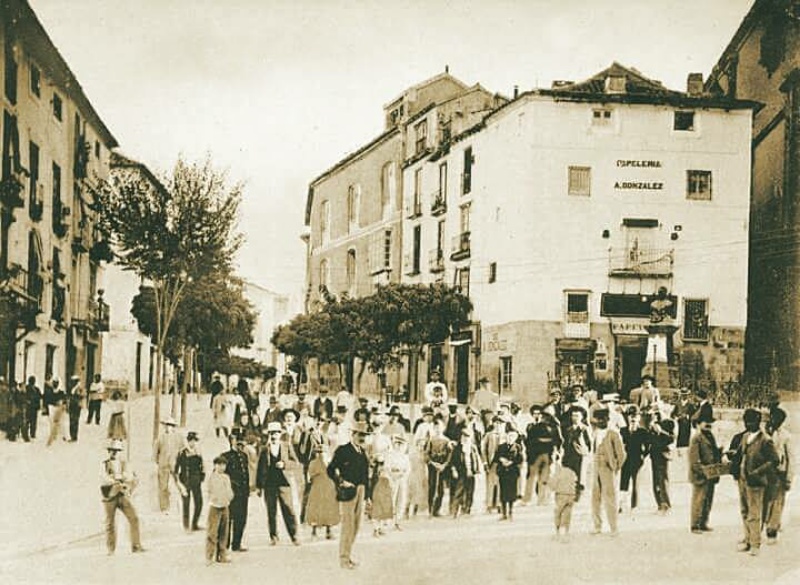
(382,509)
(397,464)
(116,424)
(683,414)
(322,509)
(508,458)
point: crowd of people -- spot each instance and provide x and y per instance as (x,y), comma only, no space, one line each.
(328,462)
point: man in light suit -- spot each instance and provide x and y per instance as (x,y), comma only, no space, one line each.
(274,476)
(609,455)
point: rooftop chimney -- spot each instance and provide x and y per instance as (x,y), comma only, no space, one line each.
(447,68)
(516,91)
(694,84)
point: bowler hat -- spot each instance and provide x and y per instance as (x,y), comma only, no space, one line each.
(192,436)
(751,415)
(394,410)
(601,413)
(535,408)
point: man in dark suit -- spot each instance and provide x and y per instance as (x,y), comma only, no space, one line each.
(703,455)
(759,462)
(239,471)
(275,468)
(349,469)
(323,405)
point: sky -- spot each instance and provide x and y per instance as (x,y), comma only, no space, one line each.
(278,91)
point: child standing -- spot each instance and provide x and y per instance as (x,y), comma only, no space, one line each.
(564,484)
(220,495)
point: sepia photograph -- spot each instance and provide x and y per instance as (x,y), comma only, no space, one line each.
(412,292)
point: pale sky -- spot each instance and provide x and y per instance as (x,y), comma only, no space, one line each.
(278,91)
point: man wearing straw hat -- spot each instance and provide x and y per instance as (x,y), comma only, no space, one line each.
(165,455)
(115,487)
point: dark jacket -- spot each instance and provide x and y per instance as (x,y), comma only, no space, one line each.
(541,438)
(459,464)
(661,439)
(703,451)
(350,464)
(268,474)
(760,460)
(637,445)
(238,469)
(189,468)
(323,406)
(34,397)
(512,452)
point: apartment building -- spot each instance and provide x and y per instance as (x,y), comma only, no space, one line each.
(55,151)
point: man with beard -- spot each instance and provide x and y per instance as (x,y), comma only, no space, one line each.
(238,469)
(704,454)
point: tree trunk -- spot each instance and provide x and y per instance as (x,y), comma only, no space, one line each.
(361,369)
(157,394)
(174,387)
(413,375)
(187,360)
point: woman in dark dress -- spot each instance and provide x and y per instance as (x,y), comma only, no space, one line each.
(508,459)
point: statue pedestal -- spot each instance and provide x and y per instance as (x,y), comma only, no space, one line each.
(659,348)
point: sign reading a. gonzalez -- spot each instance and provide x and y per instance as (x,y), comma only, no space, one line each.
(639,185)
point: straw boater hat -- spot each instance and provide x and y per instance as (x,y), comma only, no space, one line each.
(169,421)
(114,445)
(274,427)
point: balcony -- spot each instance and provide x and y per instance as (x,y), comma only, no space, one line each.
(439,204)
(461,247)
(436,260)
(25,292)
(59,303)
(11,191)
(576,325)
(641,262)
(60,214)
(91,315)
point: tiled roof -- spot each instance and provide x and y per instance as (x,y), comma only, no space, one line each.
(635,83)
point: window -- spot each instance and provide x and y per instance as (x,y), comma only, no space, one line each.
(35,204)
(387,189)
(49,361)
(324,275)
(351,273)
(601,117)
(440,238)
(580,181)
(466,178)
(464,218)
(36,81)
(506,373)
(57,205)
(576,323)
(421,131)
(698,185)
(683,121)
(325,221)
(97,149)
(695,319)
(463,281)
(415,267)
(443,181)
(387,249)
(57,107)
(417,203)
(492,272)
(11,71)
(353,202)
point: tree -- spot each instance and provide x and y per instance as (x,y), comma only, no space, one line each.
(375,329)
(171,232)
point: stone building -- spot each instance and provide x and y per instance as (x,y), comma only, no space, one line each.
(762,63)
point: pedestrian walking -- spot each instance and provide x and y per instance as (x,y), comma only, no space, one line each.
(636,439)
(417,482)
(323,510)
(465,465)
(116,422)
(190,475)
(437,457)
(275,477)
(382,510)
(398,467)
(57,412)
(491,441)
(220,495)
(75,398)
(564,484)
(609,457)
(662,442)
(784,473)
(96,395)
(682,414)
(117,485)
(542,438)
(34,400)
(577,439)
(509,457)
(704,455)
(349,469)
(759,465)
(238,469)
(165,454)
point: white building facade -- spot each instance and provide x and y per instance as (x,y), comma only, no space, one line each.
(600,230)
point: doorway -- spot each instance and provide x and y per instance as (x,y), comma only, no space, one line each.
(462,373)
(633,353)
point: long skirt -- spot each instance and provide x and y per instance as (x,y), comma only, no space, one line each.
(418,483)
(323,509)
(116,427)
(382,508)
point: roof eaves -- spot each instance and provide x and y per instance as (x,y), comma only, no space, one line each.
(742,32)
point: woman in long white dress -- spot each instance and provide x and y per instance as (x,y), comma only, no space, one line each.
(398,467)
